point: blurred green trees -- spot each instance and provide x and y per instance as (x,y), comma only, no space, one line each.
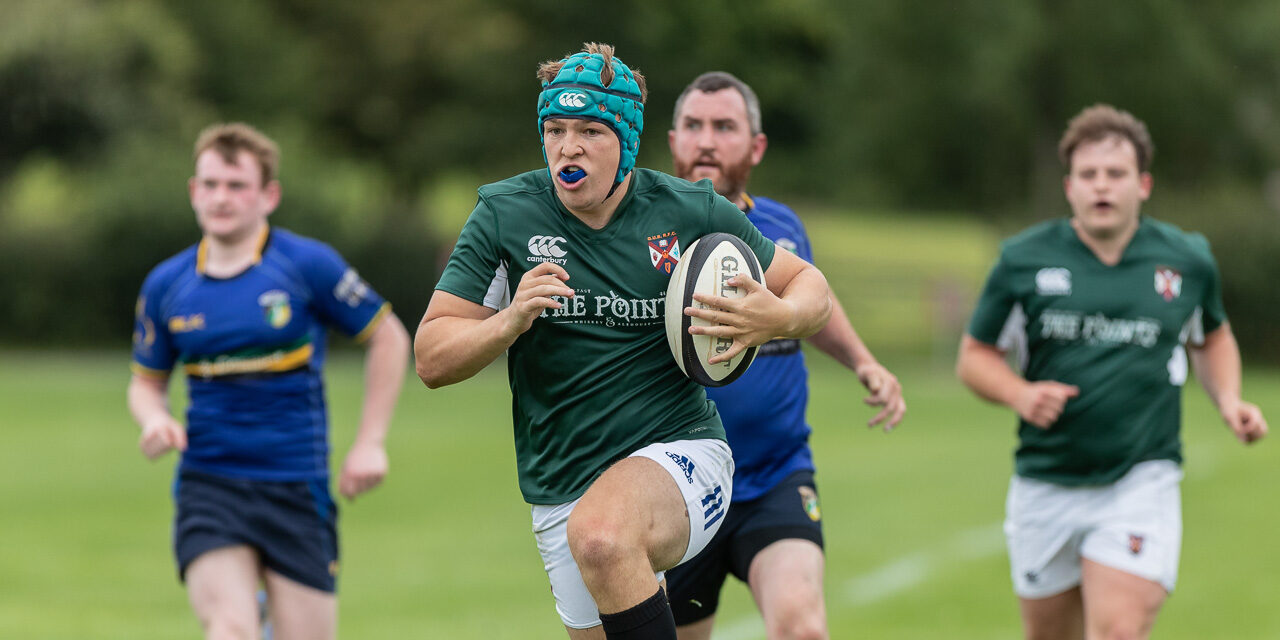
(390,113)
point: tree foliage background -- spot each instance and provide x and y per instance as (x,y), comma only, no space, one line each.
(390,113)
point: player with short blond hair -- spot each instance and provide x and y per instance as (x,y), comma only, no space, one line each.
(244,314)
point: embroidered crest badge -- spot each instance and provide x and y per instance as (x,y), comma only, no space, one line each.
(664,251)
(1135,544)
(1168,283)
(275,308)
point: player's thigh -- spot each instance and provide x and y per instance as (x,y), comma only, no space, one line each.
(700,630)
(634,503)
(1044,526)
(222,587)
(1119,604)
(786,579)
(1139,529)
(298,611)
(591,633)
(1056,617)
(668,498)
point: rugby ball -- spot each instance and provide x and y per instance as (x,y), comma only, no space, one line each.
(705,267)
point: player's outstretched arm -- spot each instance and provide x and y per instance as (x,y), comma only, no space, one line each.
(1217,366)
(457,338)
(840,340)
(148,400)
(796,304)
(384,363)
(982,368)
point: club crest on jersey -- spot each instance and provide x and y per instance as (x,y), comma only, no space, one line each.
(1135,544)
(664,251)
(1168,283)
(809,500)
(1053,281)
(275,308)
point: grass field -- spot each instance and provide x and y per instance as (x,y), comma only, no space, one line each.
(443,550)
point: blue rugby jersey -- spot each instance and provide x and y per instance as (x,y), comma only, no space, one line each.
(763,411)
(252,347)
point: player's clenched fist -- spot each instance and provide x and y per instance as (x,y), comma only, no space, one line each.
(1246,421)
(1040,403)
(160,436)
(533,294)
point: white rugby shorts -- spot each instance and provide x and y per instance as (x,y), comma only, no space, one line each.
(703,469)
(1133,525)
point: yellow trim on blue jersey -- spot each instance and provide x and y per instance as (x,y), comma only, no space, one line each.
(270,363)
(202,251)
(148,372)
(751,204)
(367,331)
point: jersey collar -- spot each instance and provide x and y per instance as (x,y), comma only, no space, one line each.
(202,252)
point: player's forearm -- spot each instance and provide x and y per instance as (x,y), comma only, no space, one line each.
(148,400)
(810,299)
(450,349)
(984,370)
(1217,366)
(839,340)
(384,366)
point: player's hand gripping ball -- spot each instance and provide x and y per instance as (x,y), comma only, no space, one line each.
(706,267)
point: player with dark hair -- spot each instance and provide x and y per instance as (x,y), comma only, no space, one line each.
(244,313)
(1099,309)
(772,535)
(621,456)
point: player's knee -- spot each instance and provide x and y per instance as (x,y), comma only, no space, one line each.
(596,543)
(227,626)
(1119,629)
(799,621)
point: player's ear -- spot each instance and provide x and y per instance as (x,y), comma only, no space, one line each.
(759,143)
(272,193)
(1145,183)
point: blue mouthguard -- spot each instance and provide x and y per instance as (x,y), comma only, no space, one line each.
(572,177)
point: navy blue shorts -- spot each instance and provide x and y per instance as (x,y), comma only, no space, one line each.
(291,525)
(788,511)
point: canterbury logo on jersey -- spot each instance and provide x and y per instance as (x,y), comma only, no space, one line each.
(546,249)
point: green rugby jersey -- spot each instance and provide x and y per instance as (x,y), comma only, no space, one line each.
(1115,332)
(593,381)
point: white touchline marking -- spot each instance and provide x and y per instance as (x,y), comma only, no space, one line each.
(892,578)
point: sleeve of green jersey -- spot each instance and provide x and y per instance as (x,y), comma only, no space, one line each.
(727,218)
(475,261)
(1213,312)
(994,305)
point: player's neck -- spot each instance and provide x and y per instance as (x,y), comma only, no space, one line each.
(224,257)
(598,217)
(1108,248)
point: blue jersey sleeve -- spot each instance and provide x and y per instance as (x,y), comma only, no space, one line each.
(727,218)
(340,296)
(153,351)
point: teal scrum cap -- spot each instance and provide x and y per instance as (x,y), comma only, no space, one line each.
(577,92)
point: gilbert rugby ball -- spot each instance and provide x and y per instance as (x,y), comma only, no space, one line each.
(706,267)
